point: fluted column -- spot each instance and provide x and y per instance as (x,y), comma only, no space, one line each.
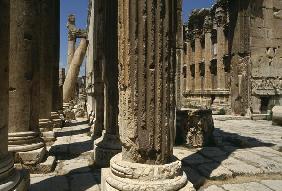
(109,144)
(220,19)
(147,158)
(24,79)
(46,64)
(198,59)
(208,52)
(189,61)
(10,179)
(71,38)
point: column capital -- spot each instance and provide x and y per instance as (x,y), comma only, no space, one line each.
(197,33)
(74,32)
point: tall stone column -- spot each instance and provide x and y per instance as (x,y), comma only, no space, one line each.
(46,62)
(10,179)
(57,102)
(220,19)
(198,58)
(208,52)
(147,161)
(24,134)
(189,76)
(98,68)
(109,144)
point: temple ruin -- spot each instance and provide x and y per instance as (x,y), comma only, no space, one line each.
(165,104)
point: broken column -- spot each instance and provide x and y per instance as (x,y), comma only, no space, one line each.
(208,52)
(46,61)
(10,179)
(147,161)
(73,72)
(24,134)
(220,19)
(109,144)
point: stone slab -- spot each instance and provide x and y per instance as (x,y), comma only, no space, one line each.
(84,181)
(212,188)
(214,171)
(31,157)
(49,182)
(48,165)
(275,185)
(246,187)
(73,166)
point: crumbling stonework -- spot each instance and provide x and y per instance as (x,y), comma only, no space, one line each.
(240,69)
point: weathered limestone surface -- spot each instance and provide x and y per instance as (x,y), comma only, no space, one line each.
(73,72)
(146,117)
(10,179)
(24,79)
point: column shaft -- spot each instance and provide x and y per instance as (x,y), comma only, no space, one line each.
(24,76)
(189,61)
(10,179)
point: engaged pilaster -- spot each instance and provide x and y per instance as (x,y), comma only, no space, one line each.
(208,52)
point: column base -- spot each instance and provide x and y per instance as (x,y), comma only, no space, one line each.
(11,179)
(45,125)
(127,176)
(56,119)
(105,148)
(28,147)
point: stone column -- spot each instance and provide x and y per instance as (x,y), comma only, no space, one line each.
(71,38)
(46,62)
(189,77)
(10,179)
(208,52)
(147,161)
(109,144)
(24,134)
(98,68)
(220,18)
(57,102)
(198,58)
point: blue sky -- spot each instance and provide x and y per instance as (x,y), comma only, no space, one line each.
(79,8)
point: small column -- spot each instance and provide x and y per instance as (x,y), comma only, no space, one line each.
(147,158)
(24,134)
(198,58)
(10,179)
(109,144)
(220,18)
(208,52)
(46,65)
(189,58)
(71,38)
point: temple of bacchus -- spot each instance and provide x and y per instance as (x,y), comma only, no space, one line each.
(231,60)
(164,104)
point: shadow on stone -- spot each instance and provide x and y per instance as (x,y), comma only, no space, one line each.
(208,163)
(76,180)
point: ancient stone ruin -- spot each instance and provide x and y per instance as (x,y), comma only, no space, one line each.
(163,104)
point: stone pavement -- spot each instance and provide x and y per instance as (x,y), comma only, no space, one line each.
(74,170)
(246,157)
